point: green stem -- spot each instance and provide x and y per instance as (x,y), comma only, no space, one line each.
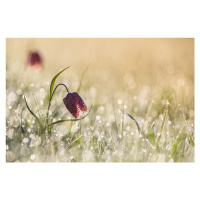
(47,115)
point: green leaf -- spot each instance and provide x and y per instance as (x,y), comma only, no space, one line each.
(177,151)
(53,81)
(151,136)
(41,126)
(70,120)
(134,121)
(163,123)
(191,140)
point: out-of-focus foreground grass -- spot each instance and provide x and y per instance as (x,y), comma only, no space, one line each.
(151,79)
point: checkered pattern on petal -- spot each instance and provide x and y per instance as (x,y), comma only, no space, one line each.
(74,103)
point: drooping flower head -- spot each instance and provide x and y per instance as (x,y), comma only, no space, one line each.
(74,103)
(34,60)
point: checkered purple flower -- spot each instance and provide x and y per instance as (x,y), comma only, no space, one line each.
(74,103)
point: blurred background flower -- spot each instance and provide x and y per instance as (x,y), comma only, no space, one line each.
(34,60)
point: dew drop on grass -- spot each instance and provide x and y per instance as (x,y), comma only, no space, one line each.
(120,136)
(12,97)
(119,101)
(42,90)
(32,157)
(29,130)
(10,133)
(25,140)
(98,117)
(31,136)
(101,109)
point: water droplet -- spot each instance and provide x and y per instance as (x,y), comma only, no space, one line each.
(12,97)
(120,136)
(119,101)
(42,90)
(19,92)
(169,122)
(32,157)
(107,124)
(98,117)
(25,140)
(31,136)
(10,133)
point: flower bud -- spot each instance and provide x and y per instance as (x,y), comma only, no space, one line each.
(74,103)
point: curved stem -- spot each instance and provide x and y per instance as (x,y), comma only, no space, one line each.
(47,115)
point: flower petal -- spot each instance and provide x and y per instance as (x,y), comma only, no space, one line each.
(74,103)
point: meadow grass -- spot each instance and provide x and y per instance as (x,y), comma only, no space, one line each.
(141,92)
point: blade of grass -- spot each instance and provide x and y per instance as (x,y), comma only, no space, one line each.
(53,81)
(177,151)
(162,126)
(41,126)
(134,121)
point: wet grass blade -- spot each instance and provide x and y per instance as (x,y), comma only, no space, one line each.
(162,126)
(53,81)
(134,120)
(41,126)
(151,136)
(177,151)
